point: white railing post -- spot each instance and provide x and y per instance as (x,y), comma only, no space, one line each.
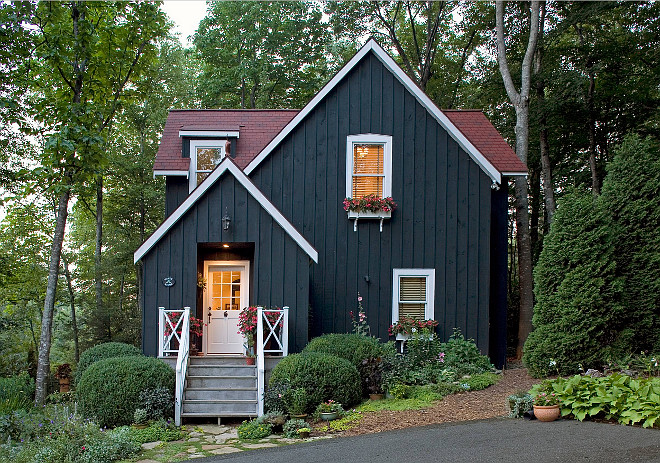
(182,364)
(161,330)
(261,366)
(285,332)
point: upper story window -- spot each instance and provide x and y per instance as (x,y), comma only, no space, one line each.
(368,165)
(204,156)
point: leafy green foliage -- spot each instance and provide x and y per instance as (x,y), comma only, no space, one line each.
(16,393)
(462,356)
(598,276)
(104,351)
(323,376)
(618,397)
(519,403)
(110,389)
(261,55)
(291,427)
(482,381)
(252,430)
(274,397)
(157,403)
(157,431)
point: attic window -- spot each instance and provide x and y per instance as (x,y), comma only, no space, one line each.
(368,165)
(205,155)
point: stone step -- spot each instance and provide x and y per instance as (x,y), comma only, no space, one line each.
(249,393)
(222,370)
(224,415)
(220,360)
(220,407)
(220,382)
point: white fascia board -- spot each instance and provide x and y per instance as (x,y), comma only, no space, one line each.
(208,133)
(407,82)
(226,165)
(515,174)
(172,173)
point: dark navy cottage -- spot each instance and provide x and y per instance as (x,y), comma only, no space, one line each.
(255,214)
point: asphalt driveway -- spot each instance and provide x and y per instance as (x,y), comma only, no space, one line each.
(480,441)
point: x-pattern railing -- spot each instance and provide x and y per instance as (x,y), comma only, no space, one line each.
(274,319)
(170,327)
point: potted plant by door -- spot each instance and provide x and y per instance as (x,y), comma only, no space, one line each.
(546,406)
(63,374)
(196,331)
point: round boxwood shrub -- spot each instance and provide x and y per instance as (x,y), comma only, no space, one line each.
(323,376)
(109,390)
(104,351)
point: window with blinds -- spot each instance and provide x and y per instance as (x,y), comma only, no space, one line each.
(412,297)
(413,293)
(368,170)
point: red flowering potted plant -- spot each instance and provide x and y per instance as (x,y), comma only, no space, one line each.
(247,326)
(369,203)
(196,329)
(546,404)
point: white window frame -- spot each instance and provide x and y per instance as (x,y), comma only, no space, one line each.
(194,144)
(370,139)
(429,273)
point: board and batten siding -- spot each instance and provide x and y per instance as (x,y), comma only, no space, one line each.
(443,219)
(279,268)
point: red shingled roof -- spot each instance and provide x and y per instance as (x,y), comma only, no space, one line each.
(477,128)
(256,126)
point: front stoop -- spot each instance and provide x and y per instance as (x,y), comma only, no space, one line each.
(222,386)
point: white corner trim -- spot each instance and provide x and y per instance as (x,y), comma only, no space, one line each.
(227,165)
(429,273)
(407,82)
(208,133)
(171,173)
(375,139)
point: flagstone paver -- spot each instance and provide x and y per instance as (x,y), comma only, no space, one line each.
(151,445)
(261,445)
(225,450)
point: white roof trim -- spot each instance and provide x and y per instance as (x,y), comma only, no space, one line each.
(208,133)
(515,174)
(407,82)
(180,173)
(226,165)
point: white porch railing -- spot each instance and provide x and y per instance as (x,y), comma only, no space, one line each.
(276,324)
(179,329)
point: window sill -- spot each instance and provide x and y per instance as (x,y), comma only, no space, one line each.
(380,215)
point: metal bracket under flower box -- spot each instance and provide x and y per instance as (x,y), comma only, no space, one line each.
(380,215)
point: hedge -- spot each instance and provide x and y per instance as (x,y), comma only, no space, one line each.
(323,376)
(109,390)
(104,351)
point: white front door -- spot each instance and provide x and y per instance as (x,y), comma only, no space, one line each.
(226,294)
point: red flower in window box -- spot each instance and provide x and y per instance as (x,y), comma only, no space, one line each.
(370,203)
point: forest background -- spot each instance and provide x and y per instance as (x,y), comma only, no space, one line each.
(86,88)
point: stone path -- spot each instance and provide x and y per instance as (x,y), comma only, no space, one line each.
(206,440)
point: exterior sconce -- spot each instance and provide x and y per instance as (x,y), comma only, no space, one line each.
(226,220)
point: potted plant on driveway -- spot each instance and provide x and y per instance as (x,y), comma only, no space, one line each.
(546,405)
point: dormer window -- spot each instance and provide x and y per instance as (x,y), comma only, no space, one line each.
(204,156)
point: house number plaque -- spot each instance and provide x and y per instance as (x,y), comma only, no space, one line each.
(168,281)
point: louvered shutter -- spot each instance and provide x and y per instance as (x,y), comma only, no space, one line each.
(412,297)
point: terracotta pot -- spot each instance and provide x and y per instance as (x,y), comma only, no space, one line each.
(250,360)
(546,412)
(376,396)
(64,384)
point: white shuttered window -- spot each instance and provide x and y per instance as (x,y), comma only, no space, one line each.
(414,294)
(368,165)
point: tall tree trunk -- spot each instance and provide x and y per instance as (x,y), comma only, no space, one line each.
(593,167)
(72,301)
(43,362)
(98,277)
(520,101)
(535,207)
(544,146)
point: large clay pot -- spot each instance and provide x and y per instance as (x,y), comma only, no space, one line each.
(64,384)
(250,360)
(546,412)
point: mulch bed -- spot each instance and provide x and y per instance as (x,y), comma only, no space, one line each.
(464,406)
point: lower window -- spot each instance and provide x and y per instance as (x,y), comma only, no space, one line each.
(414,294)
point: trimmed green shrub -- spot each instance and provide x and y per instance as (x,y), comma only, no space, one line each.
(352,347)
(156,431)
(110,389)
(323,376)
(104,351)
(251,430)
(482,381)
(16,393)
(577,312)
